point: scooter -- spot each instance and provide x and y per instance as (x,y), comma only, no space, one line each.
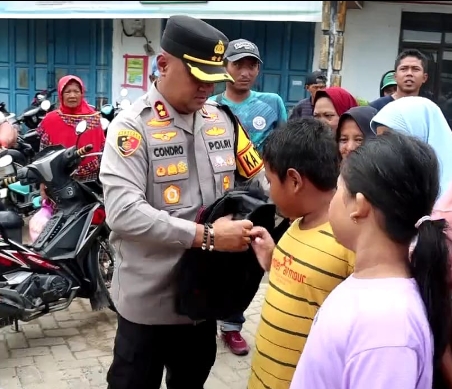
(32,137)
(23,199)
(26,199)
(65,260)
(110,111)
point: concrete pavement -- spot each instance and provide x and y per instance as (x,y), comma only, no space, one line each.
(72,349)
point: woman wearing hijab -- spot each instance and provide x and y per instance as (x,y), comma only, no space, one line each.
(331,103)
(58,127)
(422,118)
(353,128)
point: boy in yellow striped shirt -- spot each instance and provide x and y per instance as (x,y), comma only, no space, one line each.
(302,166)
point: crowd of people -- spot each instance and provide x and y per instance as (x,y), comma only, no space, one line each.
(359,283)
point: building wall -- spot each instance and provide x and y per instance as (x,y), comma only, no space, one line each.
(283,72)
(371,44)
(133,46)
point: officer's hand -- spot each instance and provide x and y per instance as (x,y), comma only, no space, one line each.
(263,246)
(8,135)
(232,235)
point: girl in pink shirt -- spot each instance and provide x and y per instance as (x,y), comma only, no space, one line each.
(387,326)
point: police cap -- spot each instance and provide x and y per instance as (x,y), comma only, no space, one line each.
(199,45)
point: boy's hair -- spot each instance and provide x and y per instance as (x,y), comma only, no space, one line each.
(412,53)
(306,145)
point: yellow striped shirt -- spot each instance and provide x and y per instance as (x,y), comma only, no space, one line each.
(307,265)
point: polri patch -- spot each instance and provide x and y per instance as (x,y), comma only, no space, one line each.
(128,142)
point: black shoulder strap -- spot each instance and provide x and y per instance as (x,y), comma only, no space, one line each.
(234,120)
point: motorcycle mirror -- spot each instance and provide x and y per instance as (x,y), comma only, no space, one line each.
(5,161)
(2,118)
(124,92)
(104,123)
(45,105)
(125,104)
(81,127)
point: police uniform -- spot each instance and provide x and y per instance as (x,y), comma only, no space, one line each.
(158,170)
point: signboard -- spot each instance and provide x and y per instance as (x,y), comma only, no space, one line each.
(297,11)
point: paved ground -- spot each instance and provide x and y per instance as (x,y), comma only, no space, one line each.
(72,350)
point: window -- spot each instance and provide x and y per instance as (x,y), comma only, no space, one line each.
(431,33)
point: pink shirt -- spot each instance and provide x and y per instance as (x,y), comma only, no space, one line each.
(368,334)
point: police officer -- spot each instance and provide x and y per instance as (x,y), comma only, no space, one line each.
(165,157)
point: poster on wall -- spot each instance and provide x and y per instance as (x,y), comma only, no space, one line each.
(136,71)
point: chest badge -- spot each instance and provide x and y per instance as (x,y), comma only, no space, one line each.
(171,195)
(157,123)
(226,183)
(162,112)
(215,131)
(164,136)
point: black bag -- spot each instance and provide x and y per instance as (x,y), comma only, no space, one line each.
(215,285)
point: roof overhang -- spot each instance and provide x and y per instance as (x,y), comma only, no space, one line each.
(295,11)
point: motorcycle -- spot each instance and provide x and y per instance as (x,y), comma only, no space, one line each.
(110,111)
(16,197)
(65,260)
(34,114)
(26,199)
(45,94)
(30,138)
(32,119)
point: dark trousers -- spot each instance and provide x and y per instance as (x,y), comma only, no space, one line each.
(141,352)
(233,323)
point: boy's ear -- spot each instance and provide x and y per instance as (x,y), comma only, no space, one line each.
(294,179)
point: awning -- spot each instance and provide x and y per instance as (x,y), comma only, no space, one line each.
(295,11)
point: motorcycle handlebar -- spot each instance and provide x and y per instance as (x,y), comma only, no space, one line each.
(84,150)
(98,154)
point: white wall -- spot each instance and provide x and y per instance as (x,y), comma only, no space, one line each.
(134,46)
(371,44)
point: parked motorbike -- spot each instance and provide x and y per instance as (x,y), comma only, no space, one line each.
(65,261)
(23,199)
(30,138)
(110,111)
(34,114)
(32,119)
(45,94)
(16,197)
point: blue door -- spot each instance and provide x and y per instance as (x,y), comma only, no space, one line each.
(35,54)
(286,48)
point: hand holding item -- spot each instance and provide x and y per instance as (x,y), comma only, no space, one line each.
(232,235)
(263,246)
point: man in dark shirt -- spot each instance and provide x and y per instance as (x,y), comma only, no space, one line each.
(314,82)
(410,74)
